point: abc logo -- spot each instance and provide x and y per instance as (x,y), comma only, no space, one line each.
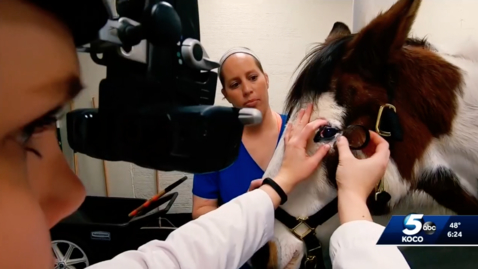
(429,227)
(414,223)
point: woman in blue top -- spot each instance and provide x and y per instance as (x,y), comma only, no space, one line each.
(245,84)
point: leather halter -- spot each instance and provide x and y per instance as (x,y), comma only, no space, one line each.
(304,230)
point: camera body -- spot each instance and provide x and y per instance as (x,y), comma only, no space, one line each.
(156,104)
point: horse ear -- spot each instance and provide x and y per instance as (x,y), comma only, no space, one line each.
(339,29)
(377,42)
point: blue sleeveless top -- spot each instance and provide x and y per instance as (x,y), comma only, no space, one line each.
(233,181)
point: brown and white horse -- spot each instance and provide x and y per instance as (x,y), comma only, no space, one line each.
(434,154)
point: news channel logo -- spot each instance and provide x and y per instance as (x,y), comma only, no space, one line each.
(414,227)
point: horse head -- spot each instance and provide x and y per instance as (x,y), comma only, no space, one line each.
(383,80)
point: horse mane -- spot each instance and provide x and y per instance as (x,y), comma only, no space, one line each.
(315,72)
(317,67)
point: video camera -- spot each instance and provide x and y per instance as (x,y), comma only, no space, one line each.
(156,102)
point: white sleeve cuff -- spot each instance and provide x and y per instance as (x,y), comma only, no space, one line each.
(265,201)
(354,245)
(355,234)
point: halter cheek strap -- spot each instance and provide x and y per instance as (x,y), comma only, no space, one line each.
(387,126)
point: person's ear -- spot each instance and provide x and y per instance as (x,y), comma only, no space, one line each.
(267,80)
(224,96)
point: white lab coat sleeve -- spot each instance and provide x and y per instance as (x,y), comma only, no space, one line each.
(225,238)
(354,245)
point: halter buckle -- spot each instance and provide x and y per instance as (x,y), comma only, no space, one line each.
(302,224)
(310,260)
(379,117)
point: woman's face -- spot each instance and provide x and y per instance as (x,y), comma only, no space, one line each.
(245,85)
(39,73)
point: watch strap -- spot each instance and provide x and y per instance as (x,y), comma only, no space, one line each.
(269,181)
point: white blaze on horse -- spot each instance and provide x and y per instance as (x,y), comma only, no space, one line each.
(423,101)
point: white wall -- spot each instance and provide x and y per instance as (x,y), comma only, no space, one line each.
(279,31)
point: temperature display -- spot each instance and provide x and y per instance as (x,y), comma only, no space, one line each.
(455,225)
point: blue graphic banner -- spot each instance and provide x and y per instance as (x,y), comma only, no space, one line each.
(418,229)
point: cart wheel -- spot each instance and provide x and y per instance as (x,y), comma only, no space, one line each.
(69,255)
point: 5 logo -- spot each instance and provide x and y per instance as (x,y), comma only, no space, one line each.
(414,223)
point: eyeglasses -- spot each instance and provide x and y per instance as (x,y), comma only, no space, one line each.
(358,136)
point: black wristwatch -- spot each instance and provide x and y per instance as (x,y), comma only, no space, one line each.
(269,181)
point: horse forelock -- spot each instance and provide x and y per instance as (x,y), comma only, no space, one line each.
(315,73)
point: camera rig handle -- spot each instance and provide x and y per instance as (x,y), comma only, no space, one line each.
(161,26)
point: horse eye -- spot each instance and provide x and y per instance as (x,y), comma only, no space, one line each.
(329,132)
(325,133)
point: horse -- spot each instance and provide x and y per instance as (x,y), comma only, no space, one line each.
(422,100)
